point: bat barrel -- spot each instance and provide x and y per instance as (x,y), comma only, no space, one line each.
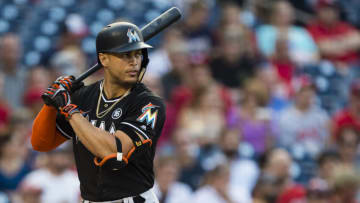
(160,23)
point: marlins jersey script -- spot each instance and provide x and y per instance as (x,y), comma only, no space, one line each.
(140,111)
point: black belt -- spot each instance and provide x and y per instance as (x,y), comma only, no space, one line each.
(116,201)
(136,199)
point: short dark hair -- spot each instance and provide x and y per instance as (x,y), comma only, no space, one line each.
(326,155)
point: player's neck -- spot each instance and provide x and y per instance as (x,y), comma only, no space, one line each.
(112,90)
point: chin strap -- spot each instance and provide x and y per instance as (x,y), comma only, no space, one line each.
(141,74)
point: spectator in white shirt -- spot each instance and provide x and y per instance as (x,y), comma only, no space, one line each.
(304,125)
(243,172)
(166,187)
(216,188)
(57,181)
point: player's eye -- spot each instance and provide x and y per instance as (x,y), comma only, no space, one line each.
(138,54)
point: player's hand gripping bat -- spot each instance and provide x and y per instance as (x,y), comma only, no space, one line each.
(148,31)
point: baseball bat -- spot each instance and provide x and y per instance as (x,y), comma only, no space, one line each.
(148,31)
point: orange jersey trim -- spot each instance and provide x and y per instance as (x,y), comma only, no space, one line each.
(113,156)
(105,159)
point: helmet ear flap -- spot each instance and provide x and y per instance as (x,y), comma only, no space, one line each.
(145,58)
(144,63)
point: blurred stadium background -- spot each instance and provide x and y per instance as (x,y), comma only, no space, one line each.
(263,97)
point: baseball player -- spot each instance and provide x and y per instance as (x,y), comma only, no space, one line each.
(114,124)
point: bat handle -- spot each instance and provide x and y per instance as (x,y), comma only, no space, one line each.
(90,71)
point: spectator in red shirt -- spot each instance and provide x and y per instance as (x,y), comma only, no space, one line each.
(350,115)
(198,77)
(282,62)
(348,142)
(275,182)
(295,194)
(338,41)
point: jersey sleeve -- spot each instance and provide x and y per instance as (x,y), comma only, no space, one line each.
(146,117)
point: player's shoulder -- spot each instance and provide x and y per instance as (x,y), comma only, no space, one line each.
(144,94)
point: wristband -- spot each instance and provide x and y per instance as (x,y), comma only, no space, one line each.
(69,110)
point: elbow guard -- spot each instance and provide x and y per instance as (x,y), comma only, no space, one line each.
(113,161)
(119,160)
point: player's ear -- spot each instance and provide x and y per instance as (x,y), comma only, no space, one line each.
(104,59)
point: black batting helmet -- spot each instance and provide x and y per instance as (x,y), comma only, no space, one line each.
(122,37)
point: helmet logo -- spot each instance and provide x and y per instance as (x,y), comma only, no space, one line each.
(133,36)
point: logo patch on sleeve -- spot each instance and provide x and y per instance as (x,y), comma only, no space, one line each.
(149,115)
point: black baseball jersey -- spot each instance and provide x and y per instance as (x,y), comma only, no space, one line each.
(140,110)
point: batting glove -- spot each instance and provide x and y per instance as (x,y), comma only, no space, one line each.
(68,83)
(58,94)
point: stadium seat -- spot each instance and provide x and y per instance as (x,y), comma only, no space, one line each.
(106,16)
(57,14)
(42,43)
(10,12)
(4,26)
(49,27)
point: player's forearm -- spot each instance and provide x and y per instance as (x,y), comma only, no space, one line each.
(97,141)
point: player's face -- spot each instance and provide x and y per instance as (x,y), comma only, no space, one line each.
(124,67)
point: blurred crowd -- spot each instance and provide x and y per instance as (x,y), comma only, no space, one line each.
(263,105)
